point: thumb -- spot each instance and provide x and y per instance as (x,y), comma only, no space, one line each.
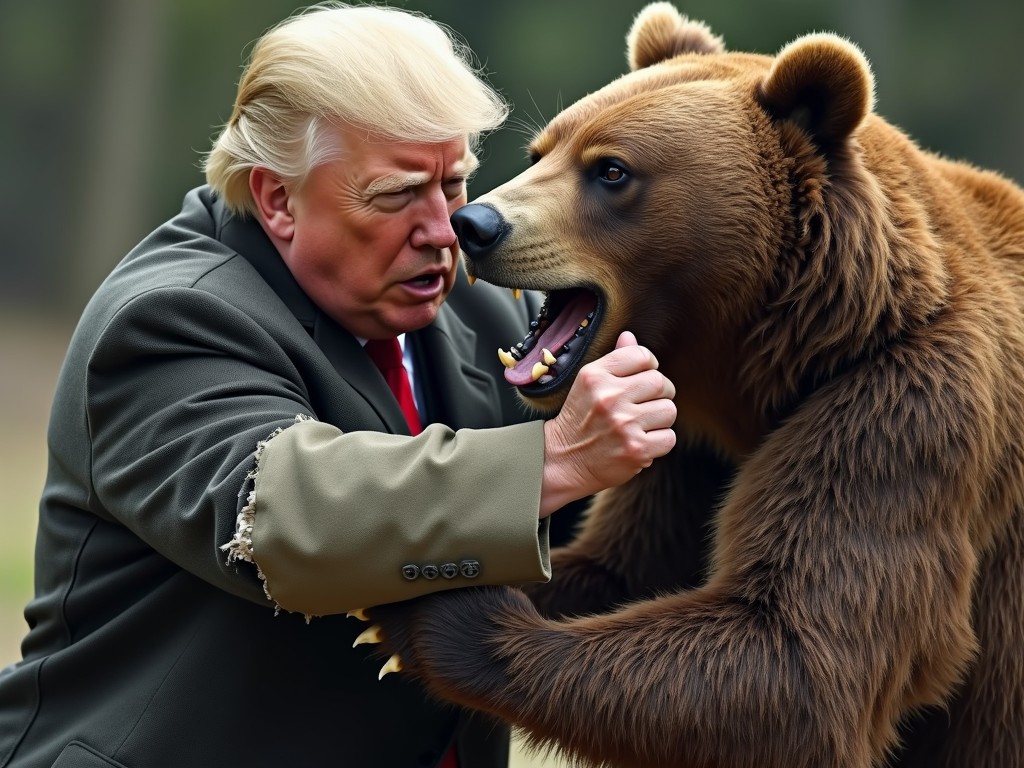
(626,339)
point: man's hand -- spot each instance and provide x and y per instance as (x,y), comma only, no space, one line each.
(616,420)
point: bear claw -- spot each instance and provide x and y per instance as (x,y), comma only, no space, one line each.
(369,635)
(393,664)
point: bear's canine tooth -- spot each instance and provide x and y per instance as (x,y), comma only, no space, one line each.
(393,664)
(516,293)
(548,358)
(370,635)
(506,359)
(471,278)
(358,613)
(539,369)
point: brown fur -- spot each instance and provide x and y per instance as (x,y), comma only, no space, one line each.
(829,568)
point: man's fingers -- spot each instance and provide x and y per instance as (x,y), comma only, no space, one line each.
(660,442)
(627,359)
(626,339)
(656,415)
(649,385)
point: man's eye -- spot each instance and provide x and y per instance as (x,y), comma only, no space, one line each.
(454,187)
(392,200)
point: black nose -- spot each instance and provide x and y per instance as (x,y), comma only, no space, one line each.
(479,228)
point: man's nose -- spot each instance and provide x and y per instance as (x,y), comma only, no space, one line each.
(435,228)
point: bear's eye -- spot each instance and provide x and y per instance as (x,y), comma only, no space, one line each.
(612,172)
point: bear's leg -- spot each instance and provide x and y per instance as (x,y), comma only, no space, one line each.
(681,681)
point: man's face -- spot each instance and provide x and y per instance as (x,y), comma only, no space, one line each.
(372,242)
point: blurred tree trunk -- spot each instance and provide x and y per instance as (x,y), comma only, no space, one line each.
(122,121)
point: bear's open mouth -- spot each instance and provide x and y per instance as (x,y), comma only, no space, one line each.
(558,339)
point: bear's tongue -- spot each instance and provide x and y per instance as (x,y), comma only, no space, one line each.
(559,332)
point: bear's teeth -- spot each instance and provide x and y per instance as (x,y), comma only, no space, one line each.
(506,359)
(547,357)
(539,369)
(516,293)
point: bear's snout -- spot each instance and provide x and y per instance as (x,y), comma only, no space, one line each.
(479,228)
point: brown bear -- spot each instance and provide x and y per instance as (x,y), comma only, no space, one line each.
(828,569)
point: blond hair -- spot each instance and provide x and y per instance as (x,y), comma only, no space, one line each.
(393,73)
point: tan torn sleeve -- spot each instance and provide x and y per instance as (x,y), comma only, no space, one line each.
(344,521)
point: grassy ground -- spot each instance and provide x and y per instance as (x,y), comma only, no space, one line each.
(31,357)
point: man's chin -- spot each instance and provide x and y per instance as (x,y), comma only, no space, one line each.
(413,318)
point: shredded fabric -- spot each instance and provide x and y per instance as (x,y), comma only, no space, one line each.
(240,546)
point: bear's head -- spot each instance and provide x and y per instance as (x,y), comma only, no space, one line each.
(671,202)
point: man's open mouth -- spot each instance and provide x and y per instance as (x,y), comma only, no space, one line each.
(558,339)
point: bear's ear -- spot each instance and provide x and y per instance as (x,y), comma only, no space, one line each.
(660,32)
(823,83)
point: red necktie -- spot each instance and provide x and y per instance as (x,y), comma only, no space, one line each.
(387,355)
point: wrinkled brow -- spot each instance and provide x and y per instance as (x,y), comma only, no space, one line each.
(396,182)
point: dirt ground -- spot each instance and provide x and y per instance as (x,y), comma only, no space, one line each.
(31,350)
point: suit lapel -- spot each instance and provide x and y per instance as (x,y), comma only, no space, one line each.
(352,363)
(457,393)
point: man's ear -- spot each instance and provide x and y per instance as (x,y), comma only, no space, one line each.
(272,201)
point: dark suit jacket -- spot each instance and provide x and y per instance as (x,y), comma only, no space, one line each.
(146,646)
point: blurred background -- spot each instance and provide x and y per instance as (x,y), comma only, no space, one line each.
(108,105)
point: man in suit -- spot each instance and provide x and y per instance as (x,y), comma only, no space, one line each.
(229,471)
